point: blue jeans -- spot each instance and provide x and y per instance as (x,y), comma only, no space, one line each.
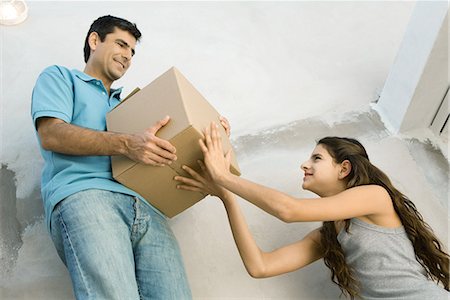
(116,247)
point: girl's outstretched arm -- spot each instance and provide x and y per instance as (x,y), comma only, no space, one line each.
(258,263)
(354,202)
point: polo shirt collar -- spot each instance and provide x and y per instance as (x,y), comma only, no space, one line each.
(87,78)
(83,76)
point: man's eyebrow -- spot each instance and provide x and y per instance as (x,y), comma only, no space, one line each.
(126,44)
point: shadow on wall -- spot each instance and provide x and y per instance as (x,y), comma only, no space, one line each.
(10,233)
(15,216)
(29,265)
(304,133)
(429,156)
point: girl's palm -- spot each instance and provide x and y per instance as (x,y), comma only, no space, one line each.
(217,165)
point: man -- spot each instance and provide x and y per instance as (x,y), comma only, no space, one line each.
(114,243)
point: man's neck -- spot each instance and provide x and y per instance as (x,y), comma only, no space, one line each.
(89,70)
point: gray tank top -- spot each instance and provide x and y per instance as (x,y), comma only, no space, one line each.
(384,262)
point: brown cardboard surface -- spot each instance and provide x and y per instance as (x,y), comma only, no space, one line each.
(170,94)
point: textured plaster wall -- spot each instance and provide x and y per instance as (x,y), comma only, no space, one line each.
(284,74)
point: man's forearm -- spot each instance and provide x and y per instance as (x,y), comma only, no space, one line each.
(74,140)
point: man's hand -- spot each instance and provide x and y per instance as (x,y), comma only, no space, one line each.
(226,125)
(149,149)
(61,137)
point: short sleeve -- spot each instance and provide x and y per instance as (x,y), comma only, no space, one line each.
(53,95)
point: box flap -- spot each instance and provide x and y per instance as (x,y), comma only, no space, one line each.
(162,97)
(156,184)
(128,97)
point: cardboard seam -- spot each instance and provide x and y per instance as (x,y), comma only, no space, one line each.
(126,170)
(172,166)
(185,109)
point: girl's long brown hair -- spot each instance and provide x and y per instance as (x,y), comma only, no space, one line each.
(428,249)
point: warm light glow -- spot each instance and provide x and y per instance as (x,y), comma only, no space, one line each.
(13,12)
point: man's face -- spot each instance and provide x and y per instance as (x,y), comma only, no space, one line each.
(112,57)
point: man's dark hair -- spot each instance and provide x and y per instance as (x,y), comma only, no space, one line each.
(105,25)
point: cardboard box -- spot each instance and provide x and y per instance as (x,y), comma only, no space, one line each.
(170,94)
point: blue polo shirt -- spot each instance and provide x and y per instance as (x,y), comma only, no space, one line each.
(78,99)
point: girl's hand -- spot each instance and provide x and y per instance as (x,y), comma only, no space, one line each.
(200,183)
(217,165)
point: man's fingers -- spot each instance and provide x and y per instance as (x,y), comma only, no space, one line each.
(155,152)
(159,146)
(159,124)
(155,160)
(226,125)
(223,119)
(165,145)
(152,162)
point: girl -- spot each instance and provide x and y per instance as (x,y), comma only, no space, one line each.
(373,239)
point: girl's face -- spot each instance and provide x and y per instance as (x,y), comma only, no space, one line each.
(322,173)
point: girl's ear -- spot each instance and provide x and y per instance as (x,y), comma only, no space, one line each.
(346,168)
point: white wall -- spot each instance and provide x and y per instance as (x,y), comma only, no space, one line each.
(284,74)
(418,80)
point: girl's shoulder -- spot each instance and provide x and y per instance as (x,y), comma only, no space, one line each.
(375,193)
(384,214)
(372,190)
